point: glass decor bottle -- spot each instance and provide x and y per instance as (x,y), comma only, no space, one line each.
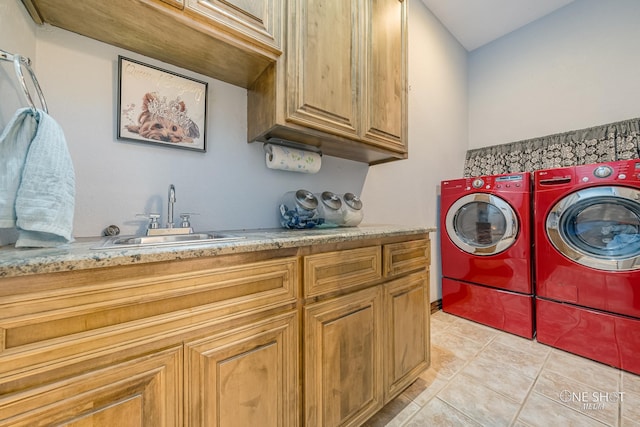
(299,209)
(352,214)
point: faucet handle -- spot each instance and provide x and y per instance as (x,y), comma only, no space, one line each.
(184,219)
(153,220)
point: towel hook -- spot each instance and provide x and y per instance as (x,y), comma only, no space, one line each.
(18,62)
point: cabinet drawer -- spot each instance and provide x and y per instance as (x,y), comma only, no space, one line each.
(76,302)
(333,271)
(404,257)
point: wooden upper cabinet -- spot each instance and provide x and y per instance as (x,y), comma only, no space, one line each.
(323,66)
(341,83)
(347,66)
(385,73)
(330,74)
(257,20)
(232,41)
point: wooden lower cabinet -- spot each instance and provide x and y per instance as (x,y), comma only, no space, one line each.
(201,342)
(144,391)
(366,328)
(406,302)
(343,359)
(314,336)
(246,376)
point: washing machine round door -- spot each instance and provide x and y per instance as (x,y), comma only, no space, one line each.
(598,227)
(482,224)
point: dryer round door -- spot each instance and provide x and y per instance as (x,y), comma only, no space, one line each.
(598,227)
(482,224)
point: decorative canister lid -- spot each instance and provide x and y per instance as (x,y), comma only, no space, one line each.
(306,200)
(353,201)
(331,200)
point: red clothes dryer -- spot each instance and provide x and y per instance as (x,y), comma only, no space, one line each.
(485,225)
(587,255)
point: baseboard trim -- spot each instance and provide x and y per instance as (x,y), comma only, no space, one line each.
(436,306)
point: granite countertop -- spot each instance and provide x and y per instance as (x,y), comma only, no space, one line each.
(86,253)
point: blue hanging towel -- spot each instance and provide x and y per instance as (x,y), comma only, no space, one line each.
(37,188)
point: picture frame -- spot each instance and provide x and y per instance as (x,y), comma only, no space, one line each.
(160,107)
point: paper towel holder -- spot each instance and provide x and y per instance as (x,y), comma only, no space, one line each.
(289,144)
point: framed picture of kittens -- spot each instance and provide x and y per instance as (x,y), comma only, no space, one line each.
(160,107)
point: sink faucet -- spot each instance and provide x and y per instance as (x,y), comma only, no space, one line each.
(172,200)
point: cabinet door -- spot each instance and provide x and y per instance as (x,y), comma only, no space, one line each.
(146,391)
(323,62)
(343,360)
(246,376)
(254,20)
(407,331)
(384,102)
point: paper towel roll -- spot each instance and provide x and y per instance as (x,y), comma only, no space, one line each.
(292,159)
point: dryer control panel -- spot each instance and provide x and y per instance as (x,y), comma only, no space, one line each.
(491,183)
(509,181)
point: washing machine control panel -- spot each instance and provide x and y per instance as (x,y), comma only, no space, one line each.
(623,170)
(602,171)
(478,183)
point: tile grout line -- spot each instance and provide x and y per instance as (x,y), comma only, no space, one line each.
(620,387)
(448,381)
(533,385)
(460,373)
(435,396)
(586,414)
(493,338)
(620,372)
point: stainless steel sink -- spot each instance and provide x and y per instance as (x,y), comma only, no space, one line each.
(167,240)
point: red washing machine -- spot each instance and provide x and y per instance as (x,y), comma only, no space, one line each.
(587,252)
(485,226)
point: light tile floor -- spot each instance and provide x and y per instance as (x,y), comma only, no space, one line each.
(481,376)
